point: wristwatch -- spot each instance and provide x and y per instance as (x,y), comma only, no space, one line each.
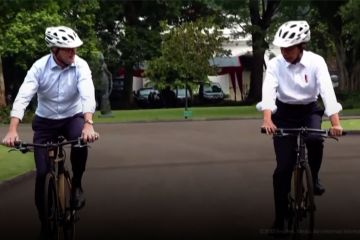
(89,121)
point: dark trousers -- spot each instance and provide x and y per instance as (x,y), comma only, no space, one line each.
(46,130)
(294,116)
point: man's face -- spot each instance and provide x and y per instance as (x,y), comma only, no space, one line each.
(290,53)
(67,55)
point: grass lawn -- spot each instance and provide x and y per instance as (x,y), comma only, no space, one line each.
(15,163)
(164,114)
(347,124)
(197,113)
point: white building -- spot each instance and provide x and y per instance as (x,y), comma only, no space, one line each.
(235,79)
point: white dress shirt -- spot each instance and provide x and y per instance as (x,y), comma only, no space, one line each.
(61,93)
(299,83)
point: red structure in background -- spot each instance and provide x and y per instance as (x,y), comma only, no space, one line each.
(136,72)
(226,65)
(233,67)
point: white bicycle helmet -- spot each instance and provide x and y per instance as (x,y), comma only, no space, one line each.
(292,33)
(62,37)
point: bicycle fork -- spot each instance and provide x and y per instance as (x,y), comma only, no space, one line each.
(299,170)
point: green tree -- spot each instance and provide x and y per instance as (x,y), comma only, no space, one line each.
(22,27)
(20,22)
(255,17)
(185,54)
(329,13)
(130,34)
(348,45)
(261,14)
(130,30)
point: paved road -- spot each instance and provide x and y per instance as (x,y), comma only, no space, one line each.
(189,180)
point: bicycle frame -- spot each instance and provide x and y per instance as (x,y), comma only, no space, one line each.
(58,210)
(301,198)
(56,157)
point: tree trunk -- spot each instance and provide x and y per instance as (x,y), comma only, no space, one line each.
(341,61)
(260,25)
(2,86)
(132,21)
(128,85)
(256,76)
(355,77)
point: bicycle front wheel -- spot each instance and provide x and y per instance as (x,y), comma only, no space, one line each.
(68,214)
(304,218)
(51,208)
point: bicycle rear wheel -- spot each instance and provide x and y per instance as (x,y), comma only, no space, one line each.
(51,211)
(304,205)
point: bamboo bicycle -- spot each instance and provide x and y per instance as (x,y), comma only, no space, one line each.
(301,203)
(60,216)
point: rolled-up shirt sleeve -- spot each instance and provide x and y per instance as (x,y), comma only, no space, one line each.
(86,88)
(269,88)
(326,89)
(26,92)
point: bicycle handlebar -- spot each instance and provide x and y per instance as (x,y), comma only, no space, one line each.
(26,147)
(303,131)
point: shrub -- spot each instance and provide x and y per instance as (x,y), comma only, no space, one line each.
(5,115)
(349,100)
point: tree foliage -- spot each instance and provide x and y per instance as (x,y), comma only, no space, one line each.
(340,18)
(25,33)
(350,36)
(130,30)
(185,54)
(22,27)
(128,33)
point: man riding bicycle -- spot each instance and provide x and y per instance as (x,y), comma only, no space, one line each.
(291,87)
(66,103)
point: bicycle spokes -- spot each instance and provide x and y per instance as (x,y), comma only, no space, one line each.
(51,208)
(301,205)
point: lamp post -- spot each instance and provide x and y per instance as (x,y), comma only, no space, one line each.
(186,115)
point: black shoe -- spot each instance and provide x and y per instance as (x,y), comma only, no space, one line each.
(42,234)
(45,233)
(77,198)
(278,230)
(318,188)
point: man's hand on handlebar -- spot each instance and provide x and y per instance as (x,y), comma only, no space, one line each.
(268,126)
(10,138)
(88,134)
(336,131)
